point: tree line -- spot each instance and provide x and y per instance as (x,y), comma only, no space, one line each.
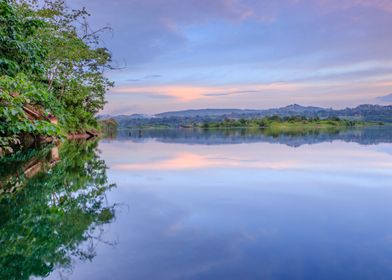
(275,120)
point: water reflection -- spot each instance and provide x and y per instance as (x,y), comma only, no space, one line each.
(202,205)
(250,209)
(363,136)
(52,208)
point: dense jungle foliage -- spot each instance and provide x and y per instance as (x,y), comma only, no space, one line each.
(50,59)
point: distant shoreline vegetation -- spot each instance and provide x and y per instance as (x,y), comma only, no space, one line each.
(271,122)
(287,123)
(295,115)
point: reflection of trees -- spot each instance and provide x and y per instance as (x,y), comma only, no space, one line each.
(43,223)
(293,138)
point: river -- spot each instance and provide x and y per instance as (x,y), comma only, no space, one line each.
(194,204)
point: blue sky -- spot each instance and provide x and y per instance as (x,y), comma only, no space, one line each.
(182,54)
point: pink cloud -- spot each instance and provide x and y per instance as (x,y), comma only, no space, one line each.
(190,93)
(331,5)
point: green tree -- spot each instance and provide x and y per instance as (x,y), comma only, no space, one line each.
(20,49)
(75,63)
(51,58)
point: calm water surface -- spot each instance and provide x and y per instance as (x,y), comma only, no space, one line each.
(203,205)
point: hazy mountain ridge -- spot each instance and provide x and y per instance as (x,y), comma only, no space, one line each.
(295,108)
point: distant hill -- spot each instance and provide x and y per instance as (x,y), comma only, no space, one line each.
(294,109)
(206,112)
(385,98)
(182,118)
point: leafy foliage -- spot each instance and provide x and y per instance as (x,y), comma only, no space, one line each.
(15,121)
(50,57)
(75,63)
(20,51)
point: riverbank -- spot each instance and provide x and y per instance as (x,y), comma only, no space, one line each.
(28,141)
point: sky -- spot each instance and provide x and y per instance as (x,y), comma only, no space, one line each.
(254,54)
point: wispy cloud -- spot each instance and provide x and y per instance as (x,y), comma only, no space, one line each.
(231,93)
(145,78)
(384,5)
(189,93)
(229,52)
